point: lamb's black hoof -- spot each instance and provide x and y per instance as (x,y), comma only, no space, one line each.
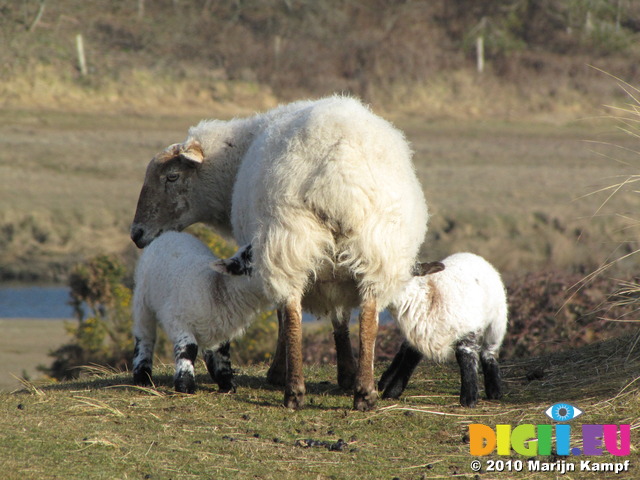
(142,377)
(185,384)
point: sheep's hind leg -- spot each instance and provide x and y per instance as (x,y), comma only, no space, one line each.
(294,389)
(185,352)
(277,374)
(395,379)
(467,356)
(492,377)
(143,361)
(365,394)
(218,362)
(346,361)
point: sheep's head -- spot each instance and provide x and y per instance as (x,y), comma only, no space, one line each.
(166,201)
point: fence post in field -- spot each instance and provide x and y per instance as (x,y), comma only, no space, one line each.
(82,62)
(480,53)
(38,17)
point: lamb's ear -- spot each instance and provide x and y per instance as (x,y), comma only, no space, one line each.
(220,267)
(239,264)
(192,151)
(426,268)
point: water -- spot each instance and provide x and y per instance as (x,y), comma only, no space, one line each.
(35,302)
(52,302)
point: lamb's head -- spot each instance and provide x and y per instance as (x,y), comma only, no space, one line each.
(239,264)
(426,268)
(167,199)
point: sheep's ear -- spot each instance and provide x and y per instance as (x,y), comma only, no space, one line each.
(168,153)
(426,268)
(192,151)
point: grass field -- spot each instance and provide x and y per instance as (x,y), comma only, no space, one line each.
(102,427)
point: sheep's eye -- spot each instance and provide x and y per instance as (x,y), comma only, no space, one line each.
(172,177)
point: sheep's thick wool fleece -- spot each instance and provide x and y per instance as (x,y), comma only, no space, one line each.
(326,190)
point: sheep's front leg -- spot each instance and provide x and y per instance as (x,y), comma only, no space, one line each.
(218,362)
(277,373)
(395,379)
(365,394)
(344,351)
(185,351)
(467,350)
(294,388)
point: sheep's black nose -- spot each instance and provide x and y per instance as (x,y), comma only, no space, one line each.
(136,234)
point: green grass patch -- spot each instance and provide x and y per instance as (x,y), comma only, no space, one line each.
(103,427)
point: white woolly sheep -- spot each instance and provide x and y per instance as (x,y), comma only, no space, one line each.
(197,300)
(459,308)
(326,193)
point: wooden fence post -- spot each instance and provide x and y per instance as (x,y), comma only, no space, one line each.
(82,62)
(480,53)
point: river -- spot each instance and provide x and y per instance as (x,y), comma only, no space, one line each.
(35,302)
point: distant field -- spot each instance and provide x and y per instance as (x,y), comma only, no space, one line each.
(24,344)
(508,190)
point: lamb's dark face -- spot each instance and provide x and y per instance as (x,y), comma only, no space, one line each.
(166,201)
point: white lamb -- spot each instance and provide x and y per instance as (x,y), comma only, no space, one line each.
(326,193)
(457,308)
(198,300)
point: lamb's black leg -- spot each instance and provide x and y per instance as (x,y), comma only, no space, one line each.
(394,380)
(184,379)
(467,357)
(492,377)
(218,362)
(143,362)
(392,369)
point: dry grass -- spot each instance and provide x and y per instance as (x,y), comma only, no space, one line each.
(102,427)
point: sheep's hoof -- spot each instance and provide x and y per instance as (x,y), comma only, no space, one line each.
(143,377)
(364,401)
(294,400)
(185,384)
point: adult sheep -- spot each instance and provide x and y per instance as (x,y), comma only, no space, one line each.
(326,193)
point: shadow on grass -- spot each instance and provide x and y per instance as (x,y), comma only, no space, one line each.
(599,371)
(163,386)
